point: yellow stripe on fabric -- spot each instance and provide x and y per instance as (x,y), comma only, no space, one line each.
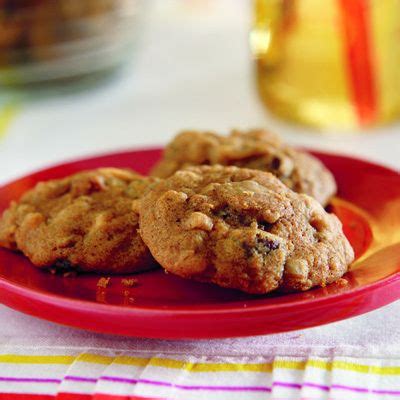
(192,367)
(210,367)
(327,365)
(30,359)
(232,367)
(7,114)
(289,364)
(95,358)
(265,367)
(365,369)
(199,367)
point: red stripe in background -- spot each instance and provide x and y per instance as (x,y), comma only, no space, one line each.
(73,396)
(25,396)
(356,25)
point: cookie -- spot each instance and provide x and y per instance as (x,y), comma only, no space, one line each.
(255,149)
(83,222)
(244,229)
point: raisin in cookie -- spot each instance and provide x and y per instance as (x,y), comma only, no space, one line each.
(255,149)
(83,222)
(243,229)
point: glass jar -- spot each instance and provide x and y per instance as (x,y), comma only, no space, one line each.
(51,40)
(329,63)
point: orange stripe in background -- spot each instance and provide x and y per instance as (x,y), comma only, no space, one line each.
(356,25)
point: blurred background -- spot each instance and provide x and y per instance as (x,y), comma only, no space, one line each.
(86,76)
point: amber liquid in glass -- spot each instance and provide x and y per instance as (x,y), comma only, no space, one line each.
(329,63)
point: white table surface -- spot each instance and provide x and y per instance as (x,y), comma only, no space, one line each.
(192,69)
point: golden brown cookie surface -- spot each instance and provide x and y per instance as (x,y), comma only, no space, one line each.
(243,229)
(255,149)
(84,221)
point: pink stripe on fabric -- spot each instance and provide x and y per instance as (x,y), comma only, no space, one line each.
(365,390)
(35,380)
(187,387)
(79,379)
(334,386)
(300,385)
(251,388)
(317,386)
(290,385)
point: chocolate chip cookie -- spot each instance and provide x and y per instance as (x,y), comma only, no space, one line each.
(83,222)
(243,229)
(255,149)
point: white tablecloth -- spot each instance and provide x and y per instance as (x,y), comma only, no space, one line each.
(192,69)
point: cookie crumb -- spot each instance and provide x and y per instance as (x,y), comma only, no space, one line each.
(128,299)
(129,282)
(101,294)
(136,206)
(342,282)
(70,274)
(103,282)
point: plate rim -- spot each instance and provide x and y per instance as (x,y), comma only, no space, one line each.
(77,304)
(80,304)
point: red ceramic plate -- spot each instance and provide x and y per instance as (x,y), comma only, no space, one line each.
(164,306)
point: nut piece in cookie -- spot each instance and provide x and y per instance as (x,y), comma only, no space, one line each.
(254,149)
(82,222)
(243,229)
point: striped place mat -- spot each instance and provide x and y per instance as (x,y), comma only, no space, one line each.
(27,374)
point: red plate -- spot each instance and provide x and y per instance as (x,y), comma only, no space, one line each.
(164,306)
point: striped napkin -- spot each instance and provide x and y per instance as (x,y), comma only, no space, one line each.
(28,374)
